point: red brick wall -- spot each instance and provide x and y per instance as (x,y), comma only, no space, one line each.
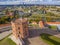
(20,28)
(41,25)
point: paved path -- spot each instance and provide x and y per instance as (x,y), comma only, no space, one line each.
(5,28)
(52,32)
(36,41)
(4,34)
(37,32)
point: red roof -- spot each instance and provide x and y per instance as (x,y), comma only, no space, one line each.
(52,22)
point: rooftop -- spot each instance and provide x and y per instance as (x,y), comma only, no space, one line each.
(53,22)
(20,19)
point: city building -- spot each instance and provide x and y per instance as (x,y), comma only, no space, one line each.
(9,13)
(2,14)
(34,22)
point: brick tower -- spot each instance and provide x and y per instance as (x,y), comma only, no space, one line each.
(41,24)
(20,28)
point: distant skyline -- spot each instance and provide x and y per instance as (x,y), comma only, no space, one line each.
(16,2)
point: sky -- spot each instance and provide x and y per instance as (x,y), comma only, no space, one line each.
(16,2)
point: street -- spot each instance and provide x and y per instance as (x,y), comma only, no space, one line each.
(6,28)
(4,34)
(5,31)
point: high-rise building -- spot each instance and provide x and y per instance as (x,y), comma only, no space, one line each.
(20,28)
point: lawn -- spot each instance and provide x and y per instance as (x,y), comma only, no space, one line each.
(33,25)
(53,27)
(49,39)
(7,41)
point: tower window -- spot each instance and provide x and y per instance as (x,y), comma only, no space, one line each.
(19,32)
(18,35)
(19,28)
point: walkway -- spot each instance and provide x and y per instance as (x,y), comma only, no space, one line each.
(4,34)
(52,32)
(37,32)
(36,41)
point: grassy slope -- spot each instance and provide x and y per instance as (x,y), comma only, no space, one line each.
(51,40)
(7,41)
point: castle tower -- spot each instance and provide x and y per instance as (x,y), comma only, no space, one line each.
(20,28)
(41,24)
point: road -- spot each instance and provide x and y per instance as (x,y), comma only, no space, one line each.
(4,34)
(6,28)
(5,31)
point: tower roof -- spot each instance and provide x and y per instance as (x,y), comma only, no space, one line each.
(19,20)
